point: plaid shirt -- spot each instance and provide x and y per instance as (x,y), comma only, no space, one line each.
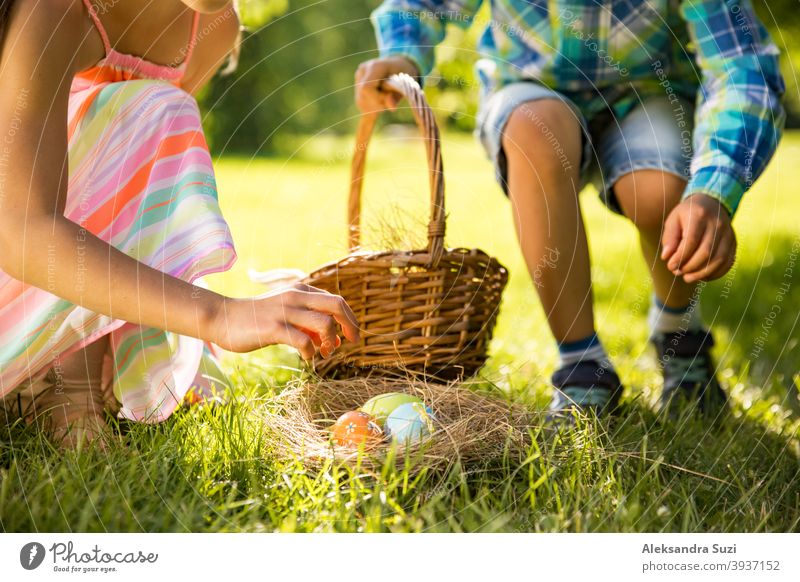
(607,55)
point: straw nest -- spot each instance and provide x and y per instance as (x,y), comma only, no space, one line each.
(472,427)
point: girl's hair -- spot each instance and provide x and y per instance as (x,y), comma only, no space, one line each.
(5,10)
(233,57)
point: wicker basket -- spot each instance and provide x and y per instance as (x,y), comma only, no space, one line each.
(429,311)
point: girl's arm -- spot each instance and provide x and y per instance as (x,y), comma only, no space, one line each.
(217,36)
(45,45)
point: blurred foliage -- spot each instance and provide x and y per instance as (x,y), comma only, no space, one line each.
(295,74)
(258,12)
(782,18)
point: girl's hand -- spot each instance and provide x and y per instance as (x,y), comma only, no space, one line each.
(698,241)
(369,96)
(303,317)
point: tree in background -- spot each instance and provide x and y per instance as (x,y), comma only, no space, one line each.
(295,74)
(782,18)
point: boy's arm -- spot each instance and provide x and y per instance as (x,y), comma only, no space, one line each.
(407,31)
(740,117)
(413,28)
(737,128)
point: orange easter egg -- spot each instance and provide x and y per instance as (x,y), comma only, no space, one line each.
(354,428)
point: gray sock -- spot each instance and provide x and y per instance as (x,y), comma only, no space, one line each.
(587,349)
(663,319)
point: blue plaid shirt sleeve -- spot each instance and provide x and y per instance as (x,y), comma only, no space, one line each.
(413,28)
(740,117)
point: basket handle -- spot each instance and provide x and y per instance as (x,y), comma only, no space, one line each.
(410,89)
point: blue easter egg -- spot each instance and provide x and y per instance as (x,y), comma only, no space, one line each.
(409,423)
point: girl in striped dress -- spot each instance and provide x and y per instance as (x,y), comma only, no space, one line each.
(109,217)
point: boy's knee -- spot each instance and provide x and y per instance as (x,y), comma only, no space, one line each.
(546,133)
(647,197)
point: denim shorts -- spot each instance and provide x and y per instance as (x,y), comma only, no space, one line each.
(649,137)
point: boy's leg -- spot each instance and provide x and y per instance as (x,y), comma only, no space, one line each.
(645,160)
(647,197)
(677,331)
(543,187)
(542,145)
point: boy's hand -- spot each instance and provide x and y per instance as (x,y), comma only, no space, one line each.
(370,74)
(698,241)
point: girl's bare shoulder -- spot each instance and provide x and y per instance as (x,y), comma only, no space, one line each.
(58,31)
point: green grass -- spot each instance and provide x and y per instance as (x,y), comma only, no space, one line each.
(210,469)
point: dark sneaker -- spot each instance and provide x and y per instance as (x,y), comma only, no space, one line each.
(583,387)
(688,368)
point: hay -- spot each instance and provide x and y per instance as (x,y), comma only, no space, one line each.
(394,228)
(471,427)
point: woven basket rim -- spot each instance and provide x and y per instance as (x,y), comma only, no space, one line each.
(433,301)
(371,255)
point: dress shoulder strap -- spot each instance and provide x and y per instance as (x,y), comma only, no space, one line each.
(98,25)
(192,39)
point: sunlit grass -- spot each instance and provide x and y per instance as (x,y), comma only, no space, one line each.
(210,469)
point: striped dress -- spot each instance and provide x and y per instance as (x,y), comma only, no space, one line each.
(141,179)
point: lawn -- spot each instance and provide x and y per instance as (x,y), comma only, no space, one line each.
(210,468)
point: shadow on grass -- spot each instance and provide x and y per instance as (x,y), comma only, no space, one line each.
(211,470)
(731,474)
(757,309)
